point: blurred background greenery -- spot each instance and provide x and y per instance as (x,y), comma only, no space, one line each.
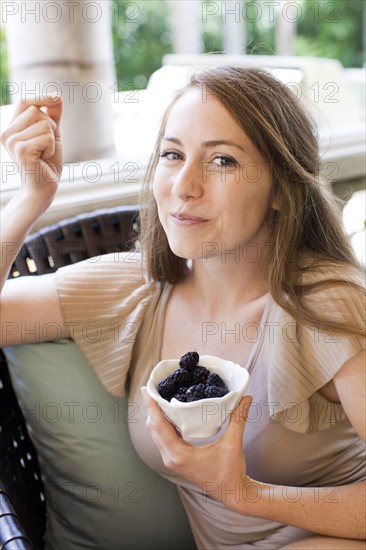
(325,29)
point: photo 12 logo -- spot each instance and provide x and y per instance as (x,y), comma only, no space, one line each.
(268,11)
(69,11)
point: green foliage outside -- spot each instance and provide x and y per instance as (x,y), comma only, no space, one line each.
(332,29)
(141,35)
(140,38)
(325,28)
(4,71)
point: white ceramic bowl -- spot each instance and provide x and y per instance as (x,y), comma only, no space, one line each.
(202,418)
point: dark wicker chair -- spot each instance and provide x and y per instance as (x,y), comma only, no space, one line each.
(22,501)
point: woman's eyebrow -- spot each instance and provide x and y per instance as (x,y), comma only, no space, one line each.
(211,143)
(171,139)
(215,143)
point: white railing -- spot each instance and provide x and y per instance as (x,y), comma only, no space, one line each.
(106,182)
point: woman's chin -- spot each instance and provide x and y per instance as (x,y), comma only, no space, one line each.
(185,251)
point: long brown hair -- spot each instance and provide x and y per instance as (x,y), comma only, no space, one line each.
(308,220)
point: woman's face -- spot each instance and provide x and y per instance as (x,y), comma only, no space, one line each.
(211,185)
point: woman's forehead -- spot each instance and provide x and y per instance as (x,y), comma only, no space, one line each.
(195,98)
(198,112)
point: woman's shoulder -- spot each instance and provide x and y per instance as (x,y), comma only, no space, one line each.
(307,355)
(314,271)
(329,287)
(100,281)
(329,298)
(335,290)
(114,268)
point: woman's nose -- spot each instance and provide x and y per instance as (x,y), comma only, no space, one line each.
(188,181)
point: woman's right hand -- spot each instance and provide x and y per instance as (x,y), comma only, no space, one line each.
(34,144)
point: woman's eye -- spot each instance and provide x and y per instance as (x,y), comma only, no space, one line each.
(224,161)
(170,155)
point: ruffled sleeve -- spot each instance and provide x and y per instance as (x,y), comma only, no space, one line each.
(103,301)
(302,360)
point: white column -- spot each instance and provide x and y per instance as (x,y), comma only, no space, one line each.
(287,14)
(66,46)
(186,26)
(234,27)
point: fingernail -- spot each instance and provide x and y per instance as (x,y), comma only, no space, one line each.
(54,96)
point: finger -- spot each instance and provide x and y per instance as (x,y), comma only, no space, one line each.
(155,413)
(161,429)
(54,111)
(31,116)
(50,101)
(238,418)
(42,127)
(40,147)
(44,147)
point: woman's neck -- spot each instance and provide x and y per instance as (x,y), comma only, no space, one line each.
(221,287)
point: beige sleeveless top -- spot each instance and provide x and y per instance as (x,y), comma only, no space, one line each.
(294,436)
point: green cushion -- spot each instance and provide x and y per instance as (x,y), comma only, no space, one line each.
(99,493)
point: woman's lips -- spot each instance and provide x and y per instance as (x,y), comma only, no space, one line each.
(187,219)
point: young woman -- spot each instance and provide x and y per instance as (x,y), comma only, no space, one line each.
(244,257)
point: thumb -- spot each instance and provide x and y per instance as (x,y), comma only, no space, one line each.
(239,416)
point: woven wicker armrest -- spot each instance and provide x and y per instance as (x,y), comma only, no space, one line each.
(76,239)
(22,506)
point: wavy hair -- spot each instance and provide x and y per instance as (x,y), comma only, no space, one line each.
(308,221)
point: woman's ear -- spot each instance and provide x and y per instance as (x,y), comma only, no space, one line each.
(275,206)
(274,203)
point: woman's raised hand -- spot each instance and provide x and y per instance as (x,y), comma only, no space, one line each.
(34,144)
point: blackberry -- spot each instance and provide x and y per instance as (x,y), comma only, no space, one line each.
(214,391)
(200,375)
(189,360)
(191,382)
(182,377)
(215,380)
(167,388)
(181,394)
(195,392)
